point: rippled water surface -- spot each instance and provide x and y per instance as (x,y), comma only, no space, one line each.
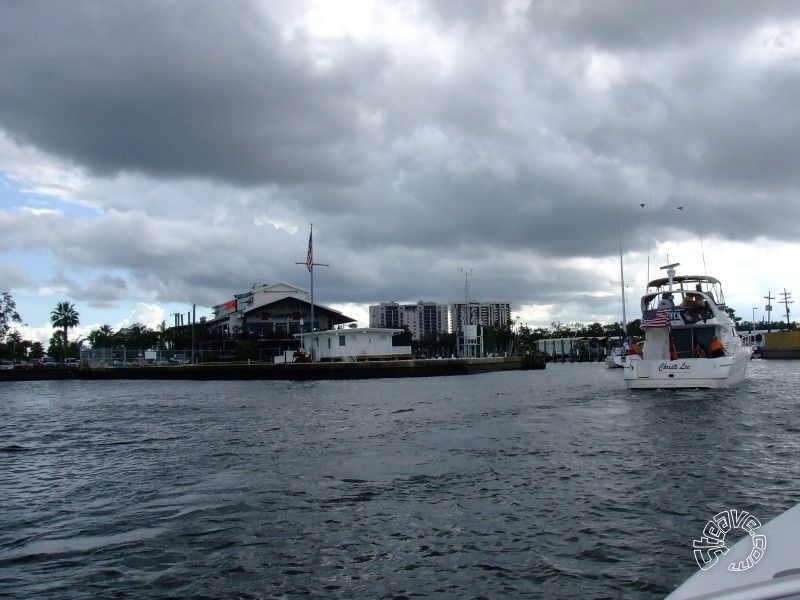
(552,484)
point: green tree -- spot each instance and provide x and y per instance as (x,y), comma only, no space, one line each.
(139,337)
(613,329)
(58,345)
(65,316)
(402,339)
(635,328)
(594,330)
(498,340)
(37,350)
(162,336)
(732,315)
(539,333)
(15,346)
(564,329)
(102,337)
(8,314)
(527,338)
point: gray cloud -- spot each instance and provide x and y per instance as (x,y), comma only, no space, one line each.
(177,90)
(14,275)
(507,140)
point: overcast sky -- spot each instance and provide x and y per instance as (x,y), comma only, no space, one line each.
(155,155)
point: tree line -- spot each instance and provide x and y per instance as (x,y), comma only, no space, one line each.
(64,317)
(512,338)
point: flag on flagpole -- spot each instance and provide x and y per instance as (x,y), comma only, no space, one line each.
(310,255)
(657,319)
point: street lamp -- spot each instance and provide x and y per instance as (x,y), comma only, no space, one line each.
(753,324)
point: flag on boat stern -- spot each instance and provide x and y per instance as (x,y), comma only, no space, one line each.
(658,319)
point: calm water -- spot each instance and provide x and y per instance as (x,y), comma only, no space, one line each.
(551,484)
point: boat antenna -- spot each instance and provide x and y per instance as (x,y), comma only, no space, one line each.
(703,254)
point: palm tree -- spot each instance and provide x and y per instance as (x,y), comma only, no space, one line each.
(64,315)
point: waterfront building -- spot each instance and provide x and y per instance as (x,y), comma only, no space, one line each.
(353,344)
(278,310)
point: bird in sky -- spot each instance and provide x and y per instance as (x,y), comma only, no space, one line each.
(680,208)
(643,204)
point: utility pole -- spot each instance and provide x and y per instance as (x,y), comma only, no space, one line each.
(310,264)
(769,298)
(786,302)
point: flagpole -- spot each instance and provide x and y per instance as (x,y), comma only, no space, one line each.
(312,299)
(310,264)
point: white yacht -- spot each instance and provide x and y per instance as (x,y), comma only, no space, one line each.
(690,341)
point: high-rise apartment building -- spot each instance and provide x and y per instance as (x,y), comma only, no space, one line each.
(430,318)
(422,318)
(488,314)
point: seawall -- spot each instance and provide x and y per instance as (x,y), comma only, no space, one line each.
(290,371)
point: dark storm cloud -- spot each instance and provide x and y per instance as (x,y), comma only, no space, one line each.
(181,89)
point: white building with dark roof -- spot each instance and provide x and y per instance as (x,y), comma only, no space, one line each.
(278,310)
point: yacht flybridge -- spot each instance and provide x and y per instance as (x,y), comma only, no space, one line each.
(690,340)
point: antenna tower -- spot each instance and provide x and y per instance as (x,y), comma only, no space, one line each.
(786,302)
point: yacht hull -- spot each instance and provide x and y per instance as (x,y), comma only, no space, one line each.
(683,373)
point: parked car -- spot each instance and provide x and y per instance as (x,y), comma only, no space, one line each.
(71,362)
(48,362)
(6,365)
(161,362)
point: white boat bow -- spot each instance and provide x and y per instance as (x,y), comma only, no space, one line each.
(775,575)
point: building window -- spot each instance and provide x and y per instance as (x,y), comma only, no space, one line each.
(342,340)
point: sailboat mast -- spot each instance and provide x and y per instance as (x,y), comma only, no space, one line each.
(622,284)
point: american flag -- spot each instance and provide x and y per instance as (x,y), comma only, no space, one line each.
(658,318)
(310,255)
